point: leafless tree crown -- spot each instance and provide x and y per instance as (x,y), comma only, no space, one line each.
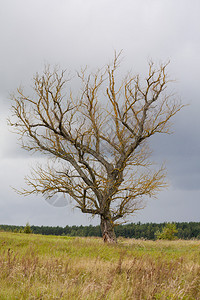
(99,138)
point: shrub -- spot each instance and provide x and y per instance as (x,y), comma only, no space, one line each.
(168,232)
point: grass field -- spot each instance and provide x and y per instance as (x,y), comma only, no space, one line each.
(49,267)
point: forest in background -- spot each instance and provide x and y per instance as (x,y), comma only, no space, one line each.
(186,230)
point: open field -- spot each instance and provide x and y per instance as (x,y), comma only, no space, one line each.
(49,267)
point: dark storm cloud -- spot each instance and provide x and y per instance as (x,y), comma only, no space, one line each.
(181,150)
(78,33)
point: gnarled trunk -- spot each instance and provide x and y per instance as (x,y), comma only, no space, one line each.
(107,230)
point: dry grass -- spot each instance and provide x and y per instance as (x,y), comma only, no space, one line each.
(39,267)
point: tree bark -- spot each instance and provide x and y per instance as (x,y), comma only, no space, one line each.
(107,230)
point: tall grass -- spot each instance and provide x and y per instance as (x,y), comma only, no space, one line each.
(47,267)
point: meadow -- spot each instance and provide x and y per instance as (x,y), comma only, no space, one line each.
(56,267)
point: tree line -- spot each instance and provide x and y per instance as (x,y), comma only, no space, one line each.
(190,230)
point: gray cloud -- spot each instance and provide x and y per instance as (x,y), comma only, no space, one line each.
(78,33)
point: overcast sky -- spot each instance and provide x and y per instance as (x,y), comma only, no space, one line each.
(86,32)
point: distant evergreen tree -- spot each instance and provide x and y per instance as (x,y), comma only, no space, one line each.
(27,228)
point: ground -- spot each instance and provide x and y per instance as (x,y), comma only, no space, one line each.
(49,267)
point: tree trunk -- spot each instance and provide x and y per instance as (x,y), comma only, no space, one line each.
(107,230)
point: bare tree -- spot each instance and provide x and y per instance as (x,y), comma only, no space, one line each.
(98,140)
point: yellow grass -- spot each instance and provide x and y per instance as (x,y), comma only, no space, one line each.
(47,267)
